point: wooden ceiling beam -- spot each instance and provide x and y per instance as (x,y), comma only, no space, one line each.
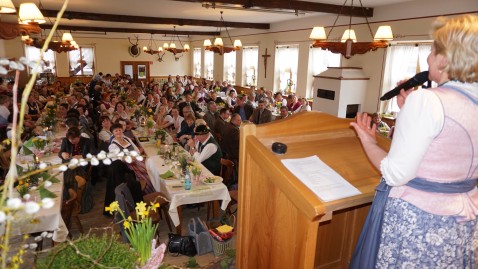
(127,30)
(71,15)
(292,5)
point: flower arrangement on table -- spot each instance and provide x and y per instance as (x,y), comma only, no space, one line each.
(196,169)
(278,105)
(130,102)
(160,134)
(50,120)
(184,161)
(141,232)
(39,145)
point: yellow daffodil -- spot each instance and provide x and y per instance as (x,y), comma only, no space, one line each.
(130,218)
(126,224)
(114,206)
(141,206)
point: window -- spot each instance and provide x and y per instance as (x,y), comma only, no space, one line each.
(197,62)
(249,65)
(286,60)
(319,60)
(208,64)
(82,61)
(403,61)
(47,64)
(230,67)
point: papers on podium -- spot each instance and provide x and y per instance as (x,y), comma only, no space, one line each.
(327,184)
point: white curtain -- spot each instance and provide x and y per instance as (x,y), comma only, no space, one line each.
(319,60)
(287,60)
(83,54)
(250,65)
(73,57)
(230,67)
(47,63)
(197,62)
(423,52)
(208,64)
(402,64)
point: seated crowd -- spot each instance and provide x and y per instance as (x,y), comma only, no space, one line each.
(204,117)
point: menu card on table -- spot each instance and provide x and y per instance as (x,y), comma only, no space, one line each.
(327,184)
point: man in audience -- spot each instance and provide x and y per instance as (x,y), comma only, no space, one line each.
(284,113)
(211,115)
(224,114)
(243,109)
(74,122)
(261,114)
(230,138)
(260,94)
(189,102)
(213,97)
(205,149)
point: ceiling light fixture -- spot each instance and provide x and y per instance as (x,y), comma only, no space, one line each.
(66,44)
(171,47)
(12,30)
(349,45)
(150,49)
(218,46)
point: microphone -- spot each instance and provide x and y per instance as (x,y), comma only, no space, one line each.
(418,79)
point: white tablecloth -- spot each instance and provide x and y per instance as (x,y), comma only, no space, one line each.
(174,189)
(46,219)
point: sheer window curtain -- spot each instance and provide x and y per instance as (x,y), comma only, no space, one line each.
(48,61)
(250,64)
(287,60)
(208,64)
(230,67)
(320,60)
(197,62)
(89,57)
(398,67)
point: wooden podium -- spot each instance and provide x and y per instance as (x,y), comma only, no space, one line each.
(281,222)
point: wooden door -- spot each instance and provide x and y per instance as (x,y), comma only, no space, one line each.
(138,70)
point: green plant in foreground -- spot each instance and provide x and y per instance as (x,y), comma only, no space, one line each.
(191,263)
(90,252)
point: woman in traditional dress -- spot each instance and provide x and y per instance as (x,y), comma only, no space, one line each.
(120,143)
(428,188)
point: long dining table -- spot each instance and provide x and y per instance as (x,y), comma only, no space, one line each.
(46,219)
(174,189)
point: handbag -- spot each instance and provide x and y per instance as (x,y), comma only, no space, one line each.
(181,245)
(199,231)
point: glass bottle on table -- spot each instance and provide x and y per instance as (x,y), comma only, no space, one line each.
(187,181)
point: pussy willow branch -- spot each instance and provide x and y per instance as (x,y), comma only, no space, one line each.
(17,128)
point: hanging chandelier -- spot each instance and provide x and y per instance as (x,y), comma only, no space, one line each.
(171,47)
(30,14)
(150,49)
(218,46)
(348,45)
(66,44)
(28,21)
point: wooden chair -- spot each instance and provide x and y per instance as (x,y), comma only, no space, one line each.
(77,205)
(4,162)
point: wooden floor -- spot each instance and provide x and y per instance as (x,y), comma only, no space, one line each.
(96,219)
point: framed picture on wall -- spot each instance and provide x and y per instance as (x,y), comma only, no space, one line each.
(141,71)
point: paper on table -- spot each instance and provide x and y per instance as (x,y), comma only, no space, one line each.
(327,184)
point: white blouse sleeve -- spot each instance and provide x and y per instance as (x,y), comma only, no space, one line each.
(420,120)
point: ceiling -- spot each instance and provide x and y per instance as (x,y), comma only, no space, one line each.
(159,16)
